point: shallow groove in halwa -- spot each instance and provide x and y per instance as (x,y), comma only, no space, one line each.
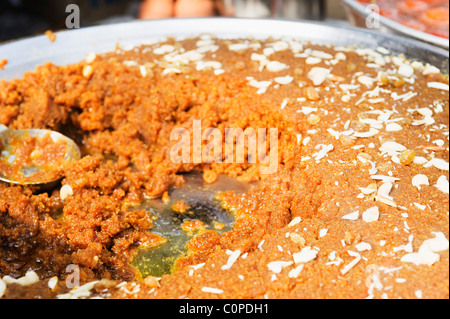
(171,224)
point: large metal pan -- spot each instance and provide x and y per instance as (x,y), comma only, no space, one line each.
(73,45)
(357,14)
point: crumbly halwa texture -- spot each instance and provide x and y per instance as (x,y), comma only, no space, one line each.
(340,218)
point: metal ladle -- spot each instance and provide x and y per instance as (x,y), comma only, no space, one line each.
(73,153)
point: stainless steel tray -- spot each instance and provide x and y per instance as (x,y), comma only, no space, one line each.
(357,15)
(72,46)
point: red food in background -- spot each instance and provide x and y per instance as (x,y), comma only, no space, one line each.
(431,16)
(391,13)
(438,33)
(414,24)
(412,7)
(435,1)
(436,17)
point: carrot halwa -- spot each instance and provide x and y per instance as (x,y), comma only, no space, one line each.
(357,208)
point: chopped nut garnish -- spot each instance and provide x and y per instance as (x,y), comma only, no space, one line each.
(351,67)
(311,94)
(407,157)
(87,71)
(296,238)
(400,81)
(65,192)
(298,72)
(384,79)
(313,119)
(351,238)
(364,157)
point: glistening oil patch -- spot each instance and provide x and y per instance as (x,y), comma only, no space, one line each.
(191,209)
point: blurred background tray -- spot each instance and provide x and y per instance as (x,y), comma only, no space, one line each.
(74,45)
(357,15)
